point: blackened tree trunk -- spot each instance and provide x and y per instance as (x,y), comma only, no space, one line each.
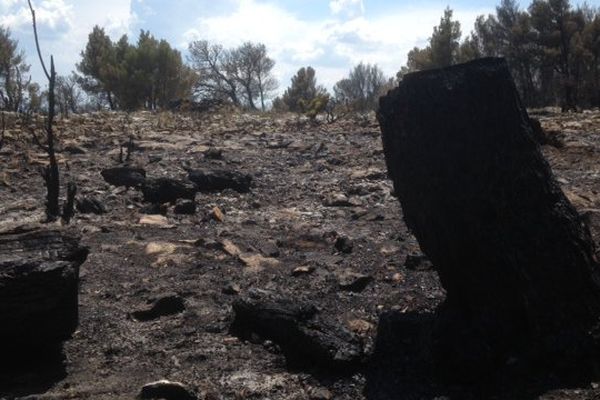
(511,251)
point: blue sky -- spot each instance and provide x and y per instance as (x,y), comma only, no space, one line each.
(330,35)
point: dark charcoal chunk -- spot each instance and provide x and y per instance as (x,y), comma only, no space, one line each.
(124,176)
(39,277)
(418,262)
(187,207)
(90,205)
(511,251)
(217,180)
(167,190)
(166,390)
(154,208)
(167,305)
(214,154)
(344,244)
(295,326)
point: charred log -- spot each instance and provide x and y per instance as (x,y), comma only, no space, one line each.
(304,338)
(124,176)
(167,190)
(217,180)
(39,276)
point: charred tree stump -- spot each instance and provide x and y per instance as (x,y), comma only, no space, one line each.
(511,251)
(39,277)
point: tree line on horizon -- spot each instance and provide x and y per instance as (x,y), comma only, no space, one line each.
(552,49)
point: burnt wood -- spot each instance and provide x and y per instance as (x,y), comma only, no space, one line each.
(39,278)
(511,251)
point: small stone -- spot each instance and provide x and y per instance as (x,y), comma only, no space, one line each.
(353,281)
(217,214)
(156,220)
(344,244)
(320,394)
(397,278)
(360,326)
(167,390)
(337,200)
(257,261)
(303,270)
(154,248)
(187,207)
(231,288)
(168,305)
(230,248)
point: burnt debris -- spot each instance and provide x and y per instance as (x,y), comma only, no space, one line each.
(511,251)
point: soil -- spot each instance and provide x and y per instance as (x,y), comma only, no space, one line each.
(320,212)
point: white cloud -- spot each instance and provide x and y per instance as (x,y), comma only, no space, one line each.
(53,14)
(63,27)
(332,46)
(350,7)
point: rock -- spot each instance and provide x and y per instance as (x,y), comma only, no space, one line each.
(303,270)
(124,176)
(320,394)
(418,262)
(257,262)
(218,180)
(217,215)
(187,207)
(511,252)
(90,205)
(269,249)
(166,390)
(295,326)
(353,281)
(337,200)
(167,305)
(167,190)
(39,280)
(344,244)
(230,248)
(231,288)
(157,220)
(360,326)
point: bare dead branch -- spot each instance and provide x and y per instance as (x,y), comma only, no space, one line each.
(37,43)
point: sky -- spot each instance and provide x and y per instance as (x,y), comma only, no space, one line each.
(329,35)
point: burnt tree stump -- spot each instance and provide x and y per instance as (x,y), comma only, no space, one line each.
(511,251)
(39,279)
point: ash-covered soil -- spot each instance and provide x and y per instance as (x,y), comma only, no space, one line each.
(320,226)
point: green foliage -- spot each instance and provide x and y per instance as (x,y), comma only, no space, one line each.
(552,49)
(14,74)
(146,75)
(362,89)
(242,75)
(302,91)
(315,106)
